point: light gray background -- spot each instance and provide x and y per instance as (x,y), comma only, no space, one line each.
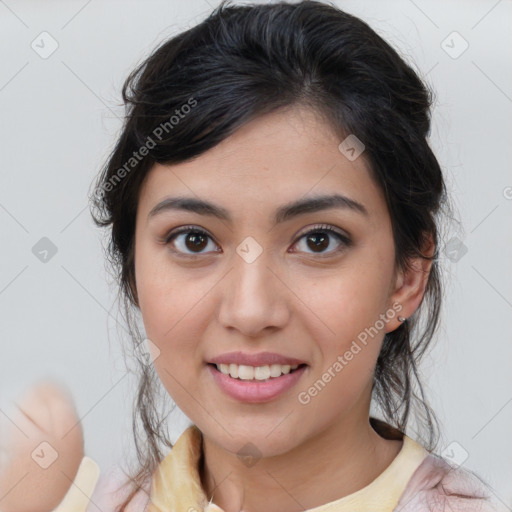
(59,118)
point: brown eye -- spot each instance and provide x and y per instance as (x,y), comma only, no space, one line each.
(189,238)
(319,238)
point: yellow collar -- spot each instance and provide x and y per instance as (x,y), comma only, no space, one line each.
(176,484)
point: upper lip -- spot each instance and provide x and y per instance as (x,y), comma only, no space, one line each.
(258,359)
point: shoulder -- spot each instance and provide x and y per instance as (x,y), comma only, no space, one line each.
(438,486)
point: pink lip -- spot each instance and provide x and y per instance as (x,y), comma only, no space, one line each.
(254,391)
(259,359)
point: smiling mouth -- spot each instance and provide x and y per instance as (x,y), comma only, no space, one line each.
(263,373)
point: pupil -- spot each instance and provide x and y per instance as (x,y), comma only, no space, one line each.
(323,244)
(196,240)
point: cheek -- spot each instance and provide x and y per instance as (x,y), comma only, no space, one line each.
(343,313)
(173,314)
(343,304)
(343,316)
(172,311)
(172,303)
(159,289)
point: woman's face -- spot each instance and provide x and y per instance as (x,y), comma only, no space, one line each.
(250,285)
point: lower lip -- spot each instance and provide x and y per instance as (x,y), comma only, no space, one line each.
(255,391)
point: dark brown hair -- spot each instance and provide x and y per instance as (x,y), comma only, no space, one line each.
(200,86)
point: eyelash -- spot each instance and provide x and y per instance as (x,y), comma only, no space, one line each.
(320,228)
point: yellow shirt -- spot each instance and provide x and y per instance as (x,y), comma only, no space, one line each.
(176,484)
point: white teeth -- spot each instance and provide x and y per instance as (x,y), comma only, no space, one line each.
(261,372)
(244,372)
(233,370)
(275,370)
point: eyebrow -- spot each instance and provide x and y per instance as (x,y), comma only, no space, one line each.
(282,214)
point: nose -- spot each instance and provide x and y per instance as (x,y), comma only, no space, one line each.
(253,298)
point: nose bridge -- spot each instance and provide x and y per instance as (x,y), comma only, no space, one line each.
(251,277)
(251,295)
(252,272)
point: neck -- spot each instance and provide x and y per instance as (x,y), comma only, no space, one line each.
(335,462)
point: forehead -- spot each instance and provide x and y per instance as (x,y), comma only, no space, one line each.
(274,159)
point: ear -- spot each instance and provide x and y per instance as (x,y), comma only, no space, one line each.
(408,286)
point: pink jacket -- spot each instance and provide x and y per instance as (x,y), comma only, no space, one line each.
(436,486)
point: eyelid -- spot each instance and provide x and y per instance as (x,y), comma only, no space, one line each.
(324,227)
(185,229)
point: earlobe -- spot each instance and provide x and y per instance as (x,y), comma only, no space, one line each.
(410,284)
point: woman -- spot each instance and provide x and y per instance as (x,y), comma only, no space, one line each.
(274,209)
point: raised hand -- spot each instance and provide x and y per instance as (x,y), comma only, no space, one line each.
(42,446)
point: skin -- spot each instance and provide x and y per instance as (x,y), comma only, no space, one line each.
(41,449)
(292,300)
